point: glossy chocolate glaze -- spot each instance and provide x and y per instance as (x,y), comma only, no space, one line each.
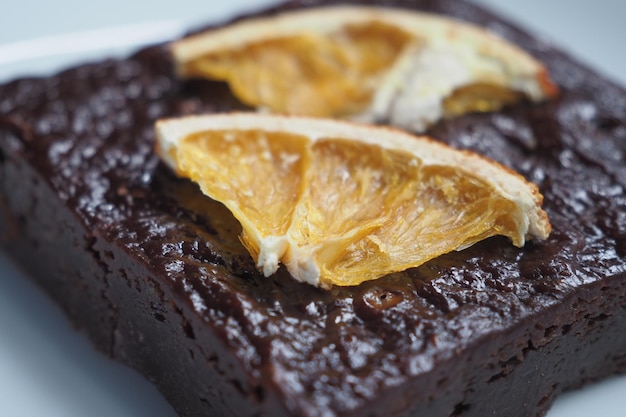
(449,328)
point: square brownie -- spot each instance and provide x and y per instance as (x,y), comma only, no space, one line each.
(154,272)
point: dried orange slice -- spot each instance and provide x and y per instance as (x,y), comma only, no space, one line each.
(373,64)
(340,203)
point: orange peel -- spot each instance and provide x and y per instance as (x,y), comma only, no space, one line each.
(340,203)
(403,67)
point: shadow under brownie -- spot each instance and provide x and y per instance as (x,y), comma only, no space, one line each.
(155,273)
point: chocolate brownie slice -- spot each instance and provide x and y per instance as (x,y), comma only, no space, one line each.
(154,272)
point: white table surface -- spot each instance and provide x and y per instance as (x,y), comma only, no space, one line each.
(47,369)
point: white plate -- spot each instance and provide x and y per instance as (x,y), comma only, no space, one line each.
(46,367)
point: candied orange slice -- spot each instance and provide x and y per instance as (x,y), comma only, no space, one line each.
(398,66)
(340,203)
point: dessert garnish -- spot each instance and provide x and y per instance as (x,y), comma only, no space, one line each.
(373,64)
(339,203)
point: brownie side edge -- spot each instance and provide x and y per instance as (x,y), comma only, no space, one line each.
(115,300)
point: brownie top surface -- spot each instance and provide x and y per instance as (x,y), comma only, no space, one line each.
(89,132)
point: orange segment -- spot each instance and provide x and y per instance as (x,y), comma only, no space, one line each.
(262,172)
(340,203)
(368,63)
(479,98)
(319,75)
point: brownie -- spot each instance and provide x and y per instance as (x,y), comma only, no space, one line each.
(154,272)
